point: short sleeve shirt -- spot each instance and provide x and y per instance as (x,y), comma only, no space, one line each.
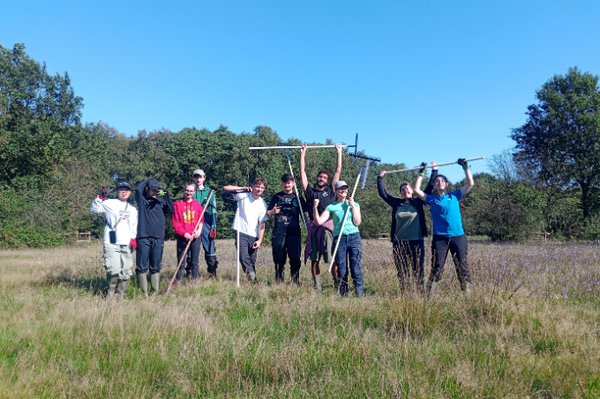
(287,221)
(337,210)
(250,213)
(445,214)
(325,197)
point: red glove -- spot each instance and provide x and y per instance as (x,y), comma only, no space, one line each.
(212,234)
(133,244)
(104,193)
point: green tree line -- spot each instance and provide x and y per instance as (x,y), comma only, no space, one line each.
(52,166)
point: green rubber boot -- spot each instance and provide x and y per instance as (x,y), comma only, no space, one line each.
(318,283)
(252,278)
(143,283)
(121,288)
(112,285)
(155,282)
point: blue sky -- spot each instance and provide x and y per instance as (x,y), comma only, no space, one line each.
(417,80)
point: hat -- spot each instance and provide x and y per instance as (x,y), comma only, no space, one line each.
(198,172)
(340,184)
(123,185)
(153,184)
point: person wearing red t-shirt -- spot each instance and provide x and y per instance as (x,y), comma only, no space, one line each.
(185,218)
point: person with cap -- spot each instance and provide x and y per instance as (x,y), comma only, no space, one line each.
(320,237)
(287,236)
(350,246)
(119,237)
(408,230)
(154,203)
(448,233)
(249,221)
(209,228)
(188,213)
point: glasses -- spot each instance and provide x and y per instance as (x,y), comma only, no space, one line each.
(190,191)
(343,189)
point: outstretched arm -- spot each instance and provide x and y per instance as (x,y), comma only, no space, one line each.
(338,167)
(303,178)
(419,181)
(322,218)
(381,189)
(236,189)
(470,182)
(434,173)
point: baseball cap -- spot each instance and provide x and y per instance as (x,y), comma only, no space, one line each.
(153,184)
(198,172)
(123,185)
(340,184)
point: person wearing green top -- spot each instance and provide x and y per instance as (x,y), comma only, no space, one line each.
(209,228)
(350,244)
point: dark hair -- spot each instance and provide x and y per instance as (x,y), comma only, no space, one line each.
(404,183)
(190,183)
(286,178)
(260,180)
(442,176)
(324,171)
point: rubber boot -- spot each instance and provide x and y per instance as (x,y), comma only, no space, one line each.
(432,288)
(143,283)
(279,274)
(155,282)
(112,285)
(318,283)
(252,278)
(468,289)
(121,288)
(212,267)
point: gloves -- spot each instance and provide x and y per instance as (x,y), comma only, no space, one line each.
(212,234)
(463,162)
(104,193)
(162,192)
(133,244)
(423,168)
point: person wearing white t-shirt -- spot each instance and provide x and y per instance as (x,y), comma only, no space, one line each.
(119,237)
(249,222)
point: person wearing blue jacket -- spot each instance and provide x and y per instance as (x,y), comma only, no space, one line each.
(408,230)
(448,233)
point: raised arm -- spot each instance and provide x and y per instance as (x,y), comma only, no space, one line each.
(338,167)
(470,182)
(322,218)
(418,190)
(434,173)
(381,189)
(303,178)
(236,189)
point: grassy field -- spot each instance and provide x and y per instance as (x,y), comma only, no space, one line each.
(531,329)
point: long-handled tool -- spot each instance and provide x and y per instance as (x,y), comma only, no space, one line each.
(337,244)
(200,219)
(431,166)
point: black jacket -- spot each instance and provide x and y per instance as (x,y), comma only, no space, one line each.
(395,202)
(151,212)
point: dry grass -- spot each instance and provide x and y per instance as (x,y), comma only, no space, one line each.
(529,330)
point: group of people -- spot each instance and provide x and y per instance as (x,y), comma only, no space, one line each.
(330,216)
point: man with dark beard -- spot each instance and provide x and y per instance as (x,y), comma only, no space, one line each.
(320,238)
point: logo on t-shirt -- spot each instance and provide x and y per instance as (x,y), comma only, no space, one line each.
(325,194)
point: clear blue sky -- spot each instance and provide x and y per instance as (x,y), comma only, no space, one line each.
(417,80)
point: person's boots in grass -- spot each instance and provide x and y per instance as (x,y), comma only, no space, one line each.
(279,274)
(252,277)
(112,285)
(121,288)
(155,282)
(212,267)
(468,289)
(318,282)
(143,283)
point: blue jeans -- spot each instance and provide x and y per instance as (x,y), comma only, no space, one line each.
(350,248)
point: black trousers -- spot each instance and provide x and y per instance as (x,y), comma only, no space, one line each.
(409,256)
(192,257)
(149,251)
(247,253)
(287,246)
(458,249)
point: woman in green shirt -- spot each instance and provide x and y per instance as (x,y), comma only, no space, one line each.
(350,244)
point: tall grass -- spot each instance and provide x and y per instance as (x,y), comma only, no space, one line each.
(530,329)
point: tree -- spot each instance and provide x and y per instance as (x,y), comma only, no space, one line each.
(561,138)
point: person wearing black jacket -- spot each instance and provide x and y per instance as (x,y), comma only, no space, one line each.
(408,230)
(154,204)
